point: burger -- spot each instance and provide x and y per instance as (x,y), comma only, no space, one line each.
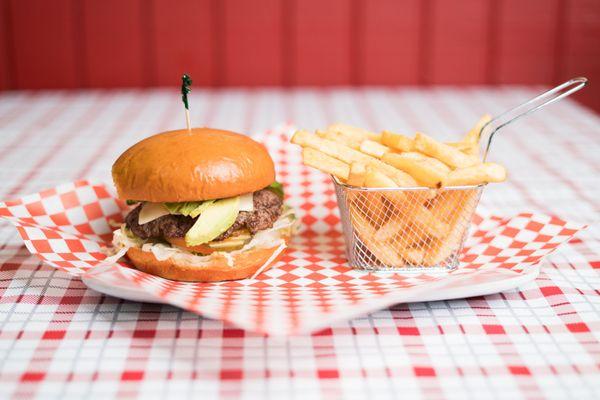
(205,206)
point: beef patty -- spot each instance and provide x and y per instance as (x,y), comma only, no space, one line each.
(267,208)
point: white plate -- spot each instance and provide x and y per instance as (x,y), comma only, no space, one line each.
(458,286)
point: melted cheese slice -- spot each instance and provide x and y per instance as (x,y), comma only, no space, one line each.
(247,202)
(152,211)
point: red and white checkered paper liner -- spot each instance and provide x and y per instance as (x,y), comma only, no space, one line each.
(309,288)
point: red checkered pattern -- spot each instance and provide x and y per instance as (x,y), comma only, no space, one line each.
(309,289)
(59,339)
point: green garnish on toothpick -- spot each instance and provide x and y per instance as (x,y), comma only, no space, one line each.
(186,82)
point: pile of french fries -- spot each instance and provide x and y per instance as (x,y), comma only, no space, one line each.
(421,226)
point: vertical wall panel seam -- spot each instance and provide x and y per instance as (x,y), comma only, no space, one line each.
(11,60)
(560,40)
(81,78)
(218,37)
(425,37)
(286,46)
(85,65)
(293,41)
(356,32)
(492,42)
(149,62)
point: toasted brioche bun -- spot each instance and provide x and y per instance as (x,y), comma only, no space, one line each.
(200,164)
(246,263)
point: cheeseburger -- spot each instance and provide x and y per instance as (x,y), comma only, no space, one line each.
(206,206)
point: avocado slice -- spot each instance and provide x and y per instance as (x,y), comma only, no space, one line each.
(215,219)
(200,209)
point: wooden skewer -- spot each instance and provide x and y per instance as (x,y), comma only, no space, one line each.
(186,82)
(187,119)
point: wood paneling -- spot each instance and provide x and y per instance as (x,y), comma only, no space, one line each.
(457,42)
(44,44)
(132,43)
(526,41)
(5,41)
(321,41)
(582,48)
(252,42)
(182,33)
(113,34)
(389,47)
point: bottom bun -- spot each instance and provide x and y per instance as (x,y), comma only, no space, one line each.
(245,263)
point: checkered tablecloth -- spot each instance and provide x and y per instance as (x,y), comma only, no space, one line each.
(59,339)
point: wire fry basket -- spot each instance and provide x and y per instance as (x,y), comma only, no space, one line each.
(391,229)
(422,228)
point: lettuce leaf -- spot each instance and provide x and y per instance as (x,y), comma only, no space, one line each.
(188,208)
(277,188)
(214,220)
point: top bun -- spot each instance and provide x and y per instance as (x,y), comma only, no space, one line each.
(200,164)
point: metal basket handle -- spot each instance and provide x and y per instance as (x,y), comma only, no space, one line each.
(561,91)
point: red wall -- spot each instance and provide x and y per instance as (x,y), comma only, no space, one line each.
(116,43)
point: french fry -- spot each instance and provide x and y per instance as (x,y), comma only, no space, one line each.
(370,204)
(423,169)
(340,138)
(391,228)
(412,255)
(441,151)
(329,147)
(383,251)
(323,162)
(399,229)
(400,234)
(474,133)
(375,178)
(470,143)
(423,218)
(390,252)
(354,131)
(471,149)
(373,148)
(409,205)
(401,178)
(434,162)
(397,141)
(357,174)
(475,175)
(455,208)
(408,248)
(349,155)
(416,156)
